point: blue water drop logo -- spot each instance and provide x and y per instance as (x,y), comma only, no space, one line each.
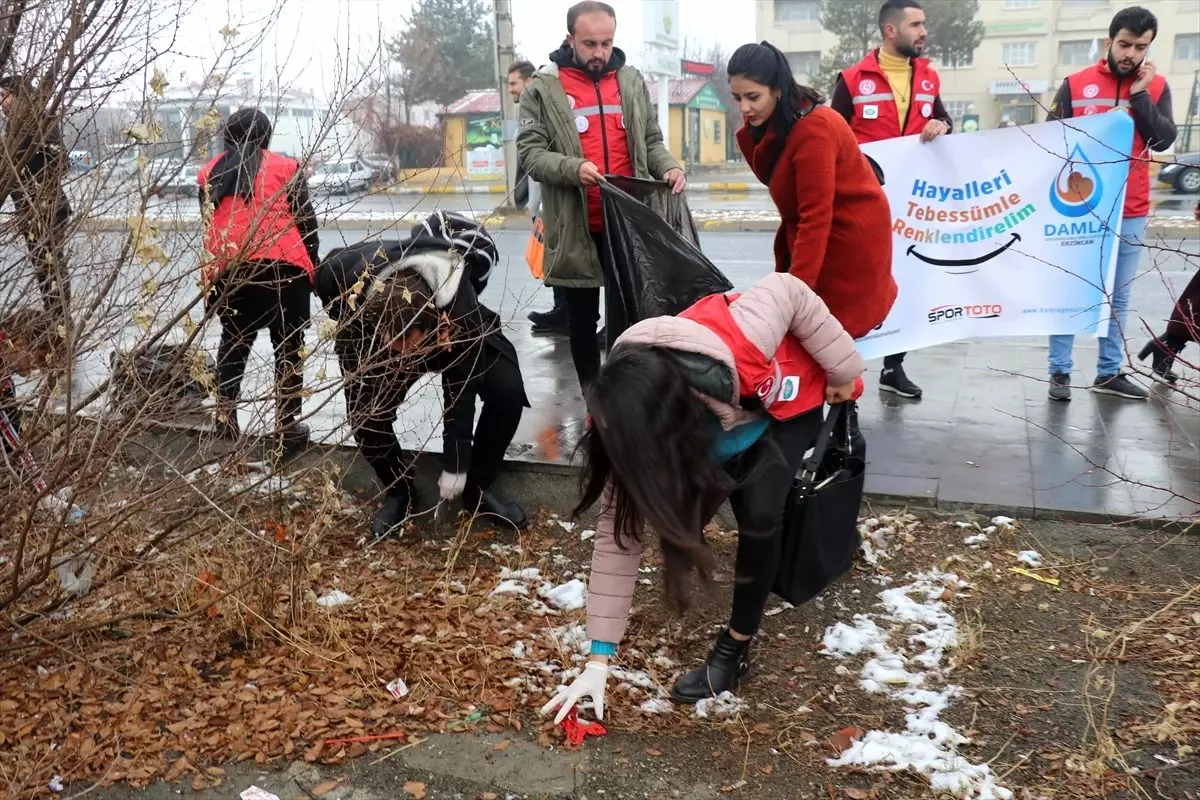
(1077,189)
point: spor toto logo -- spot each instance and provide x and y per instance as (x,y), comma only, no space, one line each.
(947,313)
(866,86)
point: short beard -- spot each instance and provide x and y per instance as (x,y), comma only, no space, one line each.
(1116,69)
(909,51)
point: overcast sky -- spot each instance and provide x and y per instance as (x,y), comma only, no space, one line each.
(311,41)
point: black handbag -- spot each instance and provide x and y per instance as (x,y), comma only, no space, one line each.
(820,521)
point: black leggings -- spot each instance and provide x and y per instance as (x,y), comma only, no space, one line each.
(271,295)
(768,469)
(583,312)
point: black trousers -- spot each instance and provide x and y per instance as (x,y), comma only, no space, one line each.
(766,472)
(257,295)
(43,225)
(583,312)
(894,360)
(374,394)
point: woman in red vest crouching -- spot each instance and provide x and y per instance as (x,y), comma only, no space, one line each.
(835,224)
(260,245)
(722,400)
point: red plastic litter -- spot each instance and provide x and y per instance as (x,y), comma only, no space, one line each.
(577,731)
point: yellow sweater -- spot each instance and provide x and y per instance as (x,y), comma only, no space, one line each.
(898,72)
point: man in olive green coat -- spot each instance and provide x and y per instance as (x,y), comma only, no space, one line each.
(583,116)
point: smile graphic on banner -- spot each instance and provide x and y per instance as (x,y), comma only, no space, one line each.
(1007,232)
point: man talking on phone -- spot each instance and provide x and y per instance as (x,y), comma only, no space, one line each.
(1124,81)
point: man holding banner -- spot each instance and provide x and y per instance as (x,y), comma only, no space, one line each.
(894,92)
(1123,81)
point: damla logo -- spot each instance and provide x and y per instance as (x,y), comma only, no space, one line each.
(1077,189)
(941,314)
(866,86)
(791,388)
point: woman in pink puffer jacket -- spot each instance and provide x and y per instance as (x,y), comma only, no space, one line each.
(720,401)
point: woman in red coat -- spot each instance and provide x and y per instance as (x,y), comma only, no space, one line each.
(835,229)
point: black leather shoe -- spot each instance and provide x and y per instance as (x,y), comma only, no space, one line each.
(396,508)
(490,503)
(727,664)
(553,320)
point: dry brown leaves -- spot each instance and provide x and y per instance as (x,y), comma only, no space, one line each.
(172,698)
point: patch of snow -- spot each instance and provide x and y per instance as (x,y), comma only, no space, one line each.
(334,598)
(511,587)
(527,574)
(1003,522)
(588,534)
(518,650)
(909,663)
(657,705)
(566,526)
(634,677)
(726,704)
(975,539)
(664,662)
(568,596)
(572,638)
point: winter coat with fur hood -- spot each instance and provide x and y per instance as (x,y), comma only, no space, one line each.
(456,261)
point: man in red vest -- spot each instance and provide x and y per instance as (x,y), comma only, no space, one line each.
(894,92)
(1124,81)
(584,116)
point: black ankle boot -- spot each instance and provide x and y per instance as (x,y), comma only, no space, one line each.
(1163,352)
(727,664)
(490,503)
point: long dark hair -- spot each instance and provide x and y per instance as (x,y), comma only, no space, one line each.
(649,439)
(247,133)
(764,63)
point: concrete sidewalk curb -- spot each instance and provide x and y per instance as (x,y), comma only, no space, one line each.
(714,187)
(1166,227)
(534,483)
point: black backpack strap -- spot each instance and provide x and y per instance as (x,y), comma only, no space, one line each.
(808,470)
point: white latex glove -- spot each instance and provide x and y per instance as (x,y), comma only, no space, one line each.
(451,485)
(590,684)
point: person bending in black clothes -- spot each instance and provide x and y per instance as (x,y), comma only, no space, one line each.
(411,307)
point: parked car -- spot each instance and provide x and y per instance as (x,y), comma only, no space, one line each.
(341,177)
(1183,174)
(174,177)
(382,170)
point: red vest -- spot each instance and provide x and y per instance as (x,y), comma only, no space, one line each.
(262,229)
(600,122)
(1096,90)
(876,115)
(788,384)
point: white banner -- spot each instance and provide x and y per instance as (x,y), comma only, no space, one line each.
(1007,232)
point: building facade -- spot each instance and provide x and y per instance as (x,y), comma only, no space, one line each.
(1029,48)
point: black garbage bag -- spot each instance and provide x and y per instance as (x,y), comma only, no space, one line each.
(655,267)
